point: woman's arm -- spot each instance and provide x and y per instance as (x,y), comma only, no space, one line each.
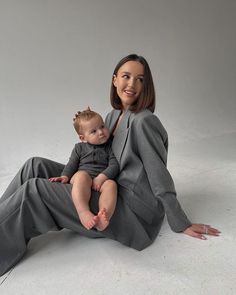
(152,148)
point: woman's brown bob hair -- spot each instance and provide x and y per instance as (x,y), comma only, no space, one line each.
(147,99)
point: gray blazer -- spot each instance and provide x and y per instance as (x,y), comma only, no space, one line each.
(140,145)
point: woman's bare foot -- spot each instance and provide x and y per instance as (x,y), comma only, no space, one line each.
(88,219)
(103,220)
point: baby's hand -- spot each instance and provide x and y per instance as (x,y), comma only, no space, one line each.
(98,181)
(62,179)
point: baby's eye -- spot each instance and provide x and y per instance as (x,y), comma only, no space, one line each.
(93,131)
(103,126)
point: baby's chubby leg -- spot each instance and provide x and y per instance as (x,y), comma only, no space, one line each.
(107,203)
(81,193)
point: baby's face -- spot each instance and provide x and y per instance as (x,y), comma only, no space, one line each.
(94,131)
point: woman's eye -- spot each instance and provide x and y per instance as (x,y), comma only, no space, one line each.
(140,79)
(125,76)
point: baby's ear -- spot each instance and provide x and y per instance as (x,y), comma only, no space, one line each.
(81,137)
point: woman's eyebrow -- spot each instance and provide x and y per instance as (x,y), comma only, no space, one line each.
(128,73)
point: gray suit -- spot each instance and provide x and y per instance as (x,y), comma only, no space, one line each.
(140,145)
(32,205)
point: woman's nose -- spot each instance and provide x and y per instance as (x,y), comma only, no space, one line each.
(131,82)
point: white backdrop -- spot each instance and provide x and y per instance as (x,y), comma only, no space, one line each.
(57,56)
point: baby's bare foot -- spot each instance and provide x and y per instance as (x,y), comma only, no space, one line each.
(88,219)
(103,220)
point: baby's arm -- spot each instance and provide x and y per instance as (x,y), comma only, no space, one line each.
(110,172)
(70,168)
(62,179)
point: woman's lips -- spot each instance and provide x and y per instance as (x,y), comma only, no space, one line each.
(130,93)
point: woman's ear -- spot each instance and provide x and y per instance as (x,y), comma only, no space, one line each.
(114,80)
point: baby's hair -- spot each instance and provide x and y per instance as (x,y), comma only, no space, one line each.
(85,115)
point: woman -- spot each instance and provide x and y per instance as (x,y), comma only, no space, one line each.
(32,205)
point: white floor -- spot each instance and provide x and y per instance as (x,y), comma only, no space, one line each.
(205,176)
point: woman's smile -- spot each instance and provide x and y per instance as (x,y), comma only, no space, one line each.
(130,92)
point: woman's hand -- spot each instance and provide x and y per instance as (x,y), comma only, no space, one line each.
(200,230)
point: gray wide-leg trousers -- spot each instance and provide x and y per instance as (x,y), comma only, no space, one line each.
(31,205)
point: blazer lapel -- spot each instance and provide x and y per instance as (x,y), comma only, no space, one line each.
(111,120)
(121,135)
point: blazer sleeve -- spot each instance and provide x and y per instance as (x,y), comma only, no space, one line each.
(72,166)
(152,148)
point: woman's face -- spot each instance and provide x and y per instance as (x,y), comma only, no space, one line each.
(129,82)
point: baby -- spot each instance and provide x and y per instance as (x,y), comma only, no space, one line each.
(92,165)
